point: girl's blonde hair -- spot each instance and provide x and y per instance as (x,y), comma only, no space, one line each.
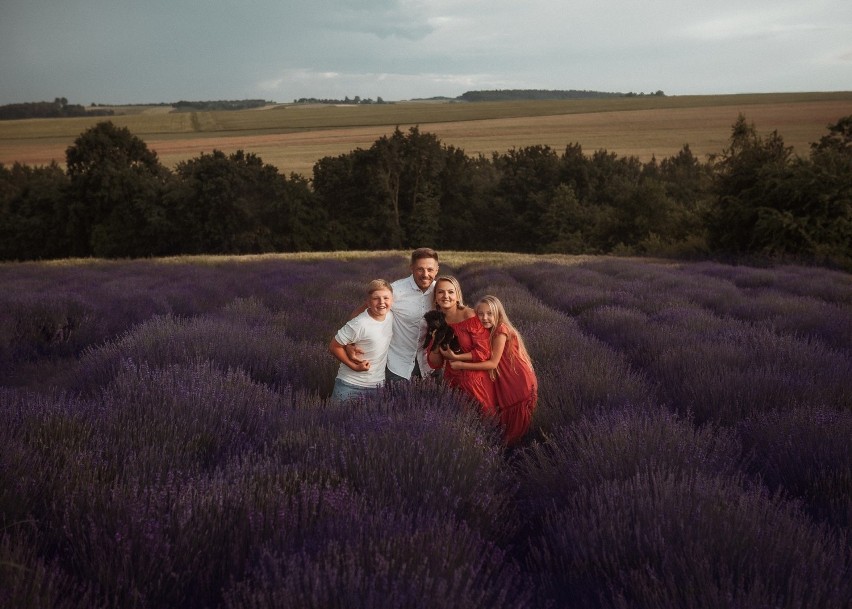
(457,287)
(501,317)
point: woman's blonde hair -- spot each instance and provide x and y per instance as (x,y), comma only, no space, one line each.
(457,287)
(501,317)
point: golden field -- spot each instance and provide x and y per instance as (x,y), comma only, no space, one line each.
(294,137)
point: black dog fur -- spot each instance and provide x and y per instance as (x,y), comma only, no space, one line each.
(437,327)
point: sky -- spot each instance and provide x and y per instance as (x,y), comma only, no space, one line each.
(155,51)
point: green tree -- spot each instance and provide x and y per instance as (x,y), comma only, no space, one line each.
(296,222)
(575,171)
(467,218)
(115,184)
(377,198)
(564,222)
(771,203)
(740,178)
(528,176)
(338,195)
(33,212)
(227,204)
(839,138)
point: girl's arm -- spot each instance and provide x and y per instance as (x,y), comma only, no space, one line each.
(480,350)
(498,345)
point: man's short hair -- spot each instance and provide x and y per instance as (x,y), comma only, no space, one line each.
(423,252)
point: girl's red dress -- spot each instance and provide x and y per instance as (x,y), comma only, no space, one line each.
(473,339)
(516,389)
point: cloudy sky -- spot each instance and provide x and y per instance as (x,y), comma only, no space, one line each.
(135,51)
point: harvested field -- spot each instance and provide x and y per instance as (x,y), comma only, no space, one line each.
(293,139)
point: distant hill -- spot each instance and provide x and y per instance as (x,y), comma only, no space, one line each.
(222,104)
(527,94)
(58,108)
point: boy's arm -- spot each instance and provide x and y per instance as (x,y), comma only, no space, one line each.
(339,351)
(353,351)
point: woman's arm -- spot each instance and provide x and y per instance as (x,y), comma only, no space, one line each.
(498,345)
(451,355)
(434,358)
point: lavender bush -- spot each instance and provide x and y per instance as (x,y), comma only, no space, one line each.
(805,453)
(665,540)
(175,444)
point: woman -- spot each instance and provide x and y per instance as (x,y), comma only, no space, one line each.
(473,339)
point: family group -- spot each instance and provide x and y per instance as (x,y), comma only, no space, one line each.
(387,340)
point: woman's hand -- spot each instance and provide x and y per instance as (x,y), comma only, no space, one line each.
(448,354)
(456,365)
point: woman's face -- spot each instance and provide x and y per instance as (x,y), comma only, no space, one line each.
(445,295)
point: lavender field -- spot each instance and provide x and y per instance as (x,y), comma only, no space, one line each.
(167,441)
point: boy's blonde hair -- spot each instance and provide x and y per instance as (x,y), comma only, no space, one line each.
(501,317)
(378,284)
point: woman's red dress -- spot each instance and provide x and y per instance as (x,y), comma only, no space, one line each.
(516,389)
(473,339)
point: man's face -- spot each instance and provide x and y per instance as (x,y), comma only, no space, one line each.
(424,270)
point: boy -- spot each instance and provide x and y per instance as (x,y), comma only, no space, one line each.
(371,331)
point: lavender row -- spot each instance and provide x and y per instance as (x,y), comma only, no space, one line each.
(190,457)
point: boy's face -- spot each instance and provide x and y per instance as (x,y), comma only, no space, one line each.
(424,271)
(380,302)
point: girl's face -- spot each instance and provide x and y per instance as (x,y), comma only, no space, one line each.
(485,315)
(445,295)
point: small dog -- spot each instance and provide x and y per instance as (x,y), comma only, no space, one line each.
(437,327)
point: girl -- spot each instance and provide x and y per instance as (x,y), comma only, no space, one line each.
(515,383)
(473,340)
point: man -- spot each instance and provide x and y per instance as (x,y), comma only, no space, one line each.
(412,298)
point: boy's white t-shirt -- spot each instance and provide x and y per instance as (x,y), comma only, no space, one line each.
(373,337)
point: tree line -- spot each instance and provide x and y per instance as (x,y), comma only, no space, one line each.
(58,108)
(222,104)
(536,94)
(754,198)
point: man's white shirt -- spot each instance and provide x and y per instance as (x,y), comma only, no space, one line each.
(410,303)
